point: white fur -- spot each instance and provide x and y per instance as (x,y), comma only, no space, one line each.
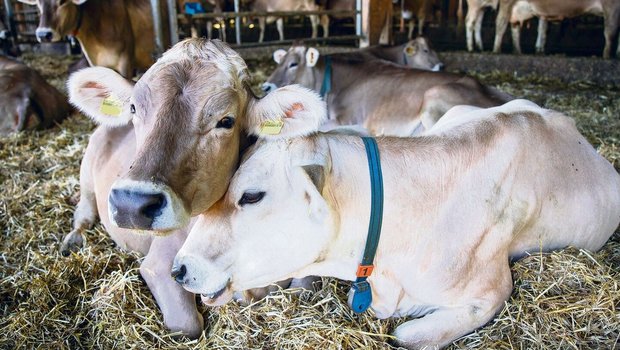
(312,57)
(104,82)
(173,215)
(79,2)
(274,106)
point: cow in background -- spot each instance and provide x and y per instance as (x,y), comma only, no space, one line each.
(385,98)
(473,20)
(522,12)
(416,53)
(333,5)
(284,5)
(414,8)
(192,7)
(27,101)
(560,9)
(117,34)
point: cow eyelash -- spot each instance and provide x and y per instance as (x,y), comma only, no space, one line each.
(251,198)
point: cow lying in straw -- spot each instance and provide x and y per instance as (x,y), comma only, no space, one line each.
(482,187)
(166,150)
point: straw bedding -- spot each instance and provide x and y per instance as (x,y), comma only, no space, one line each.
(96,299)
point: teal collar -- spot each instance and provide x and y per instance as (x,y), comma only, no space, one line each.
(326,87)
(360,297)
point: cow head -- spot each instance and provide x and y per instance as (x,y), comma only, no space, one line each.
(295,66)
(420,55)
(58,18)
(189,112)
(272,222)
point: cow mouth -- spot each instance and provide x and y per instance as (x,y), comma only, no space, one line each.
(219,297)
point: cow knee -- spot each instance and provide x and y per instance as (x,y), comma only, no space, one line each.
(190,325)
(72,242)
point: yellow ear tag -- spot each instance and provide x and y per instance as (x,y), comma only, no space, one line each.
(409,50)
(271,127)
(111,106)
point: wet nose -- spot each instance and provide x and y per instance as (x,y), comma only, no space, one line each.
(268,87)
(135,210)
(178,273)
(44,35)
(438,67)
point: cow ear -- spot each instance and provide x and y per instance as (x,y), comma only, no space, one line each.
(102,94)
(28,2)
(289,111)
(410,49)
(312,57)
(316,173)
(79,2)
(278,55)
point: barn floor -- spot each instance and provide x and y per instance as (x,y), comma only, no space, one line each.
(96,298)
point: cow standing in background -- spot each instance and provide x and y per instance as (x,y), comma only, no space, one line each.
(27,101)
(473,20)
(192,7)
(560,9)
(383,97)
(522,12)
(117,34)
(333,5)
(411,8)
(284,5)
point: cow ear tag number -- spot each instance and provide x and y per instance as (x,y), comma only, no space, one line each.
(271,127)
(111,106)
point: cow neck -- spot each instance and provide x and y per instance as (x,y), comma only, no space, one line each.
(79,20)
(405,58)
(326,86)
(361,294)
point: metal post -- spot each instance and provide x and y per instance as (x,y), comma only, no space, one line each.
(10,21)
(237,24)
(155,10)
(172,19)
(358,17)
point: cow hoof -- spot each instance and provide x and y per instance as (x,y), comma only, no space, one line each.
(72,243)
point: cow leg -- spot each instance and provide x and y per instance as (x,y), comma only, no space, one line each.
(478,30)
(209,26)
(325,25)
(261,25)
(501,23)
(177,305)
(422,17)
(541,39)
(223,31)
(448,322)
(611,30)
(85,212)
(411,26)
(314,20)
(306,283)
(516,37)
(280,25)
(470,25)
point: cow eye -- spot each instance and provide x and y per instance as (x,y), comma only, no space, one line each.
(132,109)
(292,65)
(251,198)
(226,123)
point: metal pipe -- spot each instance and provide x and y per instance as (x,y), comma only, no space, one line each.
(173,23)
(237,23)
(158,33)
(339,13)
(10,21)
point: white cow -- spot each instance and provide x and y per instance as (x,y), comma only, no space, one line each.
(483,186)
(285,5)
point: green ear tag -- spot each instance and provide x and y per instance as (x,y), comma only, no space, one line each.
(271,127)
(111,106)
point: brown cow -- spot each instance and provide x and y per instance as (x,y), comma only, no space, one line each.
(384,98)
(165,151)
(416,53)
(27,101)
(117,34)
(559,9)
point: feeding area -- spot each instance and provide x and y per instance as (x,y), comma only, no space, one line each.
(97,297)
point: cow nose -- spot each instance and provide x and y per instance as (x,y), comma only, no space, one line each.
(135,210)
(178,273)
(268,87)
(44,35)
(438,67)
